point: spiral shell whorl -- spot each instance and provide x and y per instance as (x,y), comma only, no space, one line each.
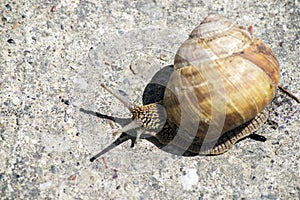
(216,37)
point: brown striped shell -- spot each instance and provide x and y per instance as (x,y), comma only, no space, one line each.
(222,78)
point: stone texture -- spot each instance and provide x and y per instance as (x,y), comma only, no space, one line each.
(55,54)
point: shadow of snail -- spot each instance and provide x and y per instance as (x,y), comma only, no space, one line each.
(215,95)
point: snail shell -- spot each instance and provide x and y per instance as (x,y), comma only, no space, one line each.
(223,79)
(221,74)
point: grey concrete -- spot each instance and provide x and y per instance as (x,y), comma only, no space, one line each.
(52,62)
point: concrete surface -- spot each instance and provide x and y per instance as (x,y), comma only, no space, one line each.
(53,56)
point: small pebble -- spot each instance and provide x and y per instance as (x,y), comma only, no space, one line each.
(53,9)
(16,25)
(135,182)
(189,179)
(66,101)
(8,7)
(53,169)
(16,101)
(11,41)
(45,185)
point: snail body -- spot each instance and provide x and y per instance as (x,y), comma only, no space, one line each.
(223,79)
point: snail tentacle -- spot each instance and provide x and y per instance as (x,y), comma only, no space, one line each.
(130,106)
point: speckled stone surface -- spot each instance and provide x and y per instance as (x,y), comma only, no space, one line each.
(54,55)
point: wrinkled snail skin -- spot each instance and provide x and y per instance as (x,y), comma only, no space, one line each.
(223,79)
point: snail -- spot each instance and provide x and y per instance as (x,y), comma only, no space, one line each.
(222,82)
